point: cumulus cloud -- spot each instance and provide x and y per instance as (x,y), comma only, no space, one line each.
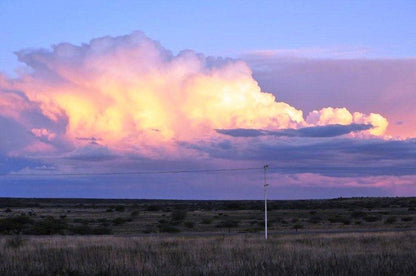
(136,96)
(383,86)
(342,116)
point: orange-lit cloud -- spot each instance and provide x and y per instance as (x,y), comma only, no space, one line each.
(342,116)
(135,95)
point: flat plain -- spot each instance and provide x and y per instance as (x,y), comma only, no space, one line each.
(344,236)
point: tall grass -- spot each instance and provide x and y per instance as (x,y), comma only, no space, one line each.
(329,254)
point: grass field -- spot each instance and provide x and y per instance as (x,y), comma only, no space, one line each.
(344,236)
(329,254)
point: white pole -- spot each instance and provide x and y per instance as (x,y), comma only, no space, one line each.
(265,201)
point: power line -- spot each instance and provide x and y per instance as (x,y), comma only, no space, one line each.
(133,173)
(275,169)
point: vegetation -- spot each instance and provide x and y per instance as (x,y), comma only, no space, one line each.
(329,254)
(104,216)
(175,237)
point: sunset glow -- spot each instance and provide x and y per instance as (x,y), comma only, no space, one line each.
(320,116)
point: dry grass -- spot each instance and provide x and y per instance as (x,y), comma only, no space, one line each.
(329,254)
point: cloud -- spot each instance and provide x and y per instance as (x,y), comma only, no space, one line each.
(126,103)
(316,131)
(382,86)
(11,164)
(316,53)
(91,152)
(137,97)
(342,116)
(336,157)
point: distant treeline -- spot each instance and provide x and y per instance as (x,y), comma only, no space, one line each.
(192,205)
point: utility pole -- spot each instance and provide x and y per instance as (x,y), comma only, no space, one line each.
(265,201)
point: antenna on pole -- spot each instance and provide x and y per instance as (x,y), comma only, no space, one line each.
(265,167)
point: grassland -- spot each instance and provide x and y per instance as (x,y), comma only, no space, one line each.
(328,254)
(344,236)
(132,217)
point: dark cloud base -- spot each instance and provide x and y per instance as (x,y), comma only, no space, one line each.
(316,131)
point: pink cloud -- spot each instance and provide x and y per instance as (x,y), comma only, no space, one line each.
(136,96)
(381,86)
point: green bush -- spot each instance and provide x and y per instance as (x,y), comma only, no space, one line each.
(206,221)
(297,226)
(48,226)
(119,221)
(390,220)
(407,218)
(80,229)
(15,224)
(189,224)
(168,228)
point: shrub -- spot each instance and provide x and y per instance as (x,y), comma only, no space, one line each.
(189,224)
(153,208)
(372,218)
(358,214)
(297,226)
(168,228)
(14,224)
(234,206)
(119,221)
(102,230)
(80,229)
(48,226)
(178,215)
(120,208)
(229,223)
(390,220)
(315,219)
(87,230)
(135,213)
(339,219)
(407,218)
(206,221)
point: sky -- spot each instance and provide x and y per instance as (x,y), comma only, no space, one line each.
(190,99)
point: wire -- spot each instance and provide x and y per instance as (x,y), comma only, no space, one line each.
(275,169)
(134,173)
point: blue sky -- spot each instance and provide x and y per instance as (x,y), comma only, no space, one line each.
(383,28)
(323,91)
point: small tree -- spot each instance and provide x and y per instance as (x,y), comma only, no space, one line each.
(297,226)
